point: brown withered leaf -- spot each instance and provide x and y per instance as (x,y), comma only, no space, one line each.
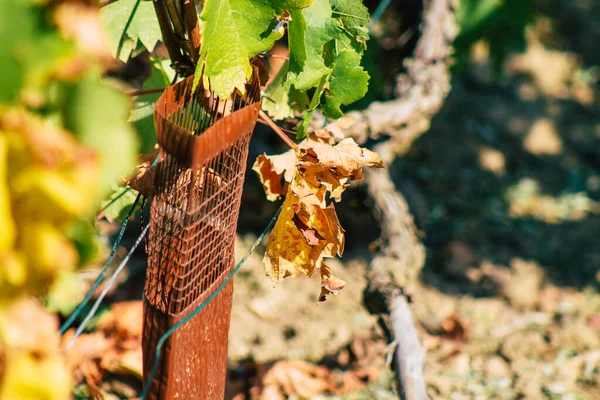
(335,166)
(346,158)
(288,251)
(310,234)
(115,346)
(330,284)
(275,172)
(334,131)
(143,179)
(307,229)
(296,377)
(124,319)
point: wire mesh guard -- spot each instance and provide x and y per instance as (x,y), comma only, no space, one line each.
(197,194)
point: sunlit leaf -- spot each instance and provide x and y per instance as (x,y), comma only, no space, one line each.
(128,21)
(307,229)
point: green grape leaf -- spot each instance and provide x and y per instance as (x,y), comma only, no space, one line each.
(309,30)
(291,4)
(314,103)
(326,43)
(281,99)
(234,31)
(354,17)
(117,205)
(128,21)
(348,82)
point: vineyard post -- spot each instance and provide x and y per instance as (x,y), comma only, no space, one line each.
(193,217)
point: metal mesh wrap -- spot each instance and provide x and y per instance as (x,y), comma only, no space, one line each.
(196,200)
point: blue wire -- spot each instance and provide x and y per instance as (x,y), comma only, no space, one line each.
(383,5)
(112,280)
(90,293)
(164,337)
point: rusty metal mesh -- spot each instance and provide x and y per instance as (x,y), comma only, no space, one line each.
(197,193)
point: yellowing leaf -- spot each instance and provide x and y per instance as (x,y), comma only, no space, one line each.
(288,253)
(335,166)
(7,233)
(47,249)
(275,172)
(346,158)
(14,268)
(330,284)
(307,229)
(33,366)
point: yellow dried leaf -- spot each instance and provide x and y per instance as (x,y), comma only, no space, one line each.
(288,253)
(308,230)
(345,159)
(47,249)
(14,268)
(335,166)
(275,172)
(7,232)
(330,284)
(33,366)
(143,181)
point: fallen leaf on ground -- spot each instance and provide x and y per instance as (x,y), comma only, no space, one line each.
(83,359)
(296,377)
(114,347)
(454,328)
(124,318)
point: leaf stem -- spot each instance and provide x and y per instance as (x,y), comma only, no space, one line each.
(291,132)
(277,129)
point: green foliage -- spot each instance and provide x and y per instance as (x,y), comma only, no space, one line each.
(233,32)
(348,83)
(309,31)
(128,21)
(354,18)
(500,23)
(326,43)
(30,49)
(83,235)
(118,204)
